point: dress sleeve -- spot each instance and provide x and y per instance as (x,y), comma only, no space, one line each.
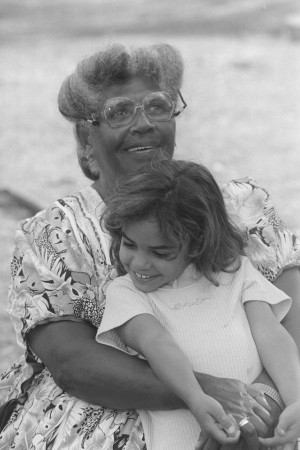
(51,277)
(270,246)
(256,287)
(123,302)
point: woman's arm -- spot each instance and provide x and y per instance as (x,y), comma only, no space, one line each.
(97,373)
(105,376)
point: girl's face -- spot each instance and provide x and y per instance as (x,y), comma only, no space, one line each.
(149,257)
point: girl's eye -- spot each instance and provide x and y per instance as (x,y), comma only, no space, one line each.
(162,255)
(127,244)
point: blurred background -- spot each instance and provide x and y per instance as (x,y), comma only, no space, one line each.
(242,86)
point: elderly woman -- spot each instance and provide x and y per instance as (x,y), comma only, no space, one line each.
(82,394)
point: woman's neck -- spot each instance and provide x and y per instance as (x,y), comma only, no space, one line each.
(103,188)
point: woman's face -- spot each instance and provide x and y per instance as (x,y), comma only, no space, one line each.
(119,151)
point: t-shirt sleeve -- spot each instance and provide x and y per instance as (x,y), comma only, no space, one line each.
(51,277)
(123,302)
(256,287)
(270,245)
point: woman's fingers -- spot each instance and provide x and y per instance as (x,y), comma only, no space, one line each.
(258,396)
(260,426)
(248,433)
(261,417)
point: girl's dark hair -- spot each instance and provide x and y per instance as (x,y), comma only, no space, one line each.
(186,202)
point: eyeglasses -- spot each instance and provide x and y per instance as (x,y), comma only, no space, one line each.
(121,111)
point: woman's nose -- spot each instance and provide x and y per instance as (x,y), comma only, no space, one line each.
(141,123)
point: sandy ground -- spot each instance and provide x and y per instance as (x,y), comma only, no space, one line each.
(241,85)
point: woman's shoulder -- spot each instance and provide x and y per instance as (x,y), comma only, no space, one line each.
(69,228)
(240,189)
(248,202)
(85,202)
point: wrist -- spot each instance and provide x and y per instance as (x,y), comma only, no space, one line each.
(270,392)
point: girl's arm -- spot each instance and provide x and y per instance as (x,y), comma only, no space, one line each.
(289,282)
(280,357)
(149,338)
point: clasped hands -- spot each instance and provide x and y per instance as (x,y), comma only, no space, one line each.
(243,402)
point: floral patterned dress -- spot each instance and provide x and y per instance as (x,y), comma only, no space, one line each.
(60,271)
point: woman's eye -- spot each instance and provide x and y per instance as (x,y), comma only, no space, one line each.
(155,109)
(118,113)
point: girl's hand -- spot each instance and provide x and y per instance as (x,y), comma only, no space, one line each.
(287,430)
(240,400)
(214,421)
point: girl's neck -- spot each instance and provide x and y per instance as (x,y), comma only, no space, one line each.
(189,276)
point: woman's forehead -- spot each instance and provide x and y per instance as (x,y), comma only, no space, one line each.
(135,88)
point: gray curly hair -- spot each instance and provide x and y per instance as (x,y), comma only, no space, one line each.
(82,92)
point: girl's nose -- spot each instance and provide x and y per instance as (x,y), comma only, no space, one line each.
(140,262)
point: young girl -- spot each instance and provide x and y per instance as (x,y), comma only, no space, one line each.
(192,301)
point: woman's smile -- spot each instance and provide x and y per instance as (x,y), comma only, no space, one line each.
(143,149)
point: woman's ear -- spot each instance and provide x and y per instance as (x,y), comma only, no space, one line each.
(85,152)
(82,133)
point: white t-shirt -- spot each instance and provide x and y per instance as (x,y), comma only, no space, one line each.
(208,323)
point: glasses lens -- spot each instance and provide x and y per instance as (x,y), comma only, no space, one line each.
(119,111)
(158,106)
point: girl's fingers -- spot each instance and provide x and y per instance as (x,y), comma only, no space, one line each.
(206,443)
(275,441)
(227,422)
(221,436)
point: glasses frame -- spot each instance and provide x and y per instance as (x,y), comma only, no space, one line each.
(95,122)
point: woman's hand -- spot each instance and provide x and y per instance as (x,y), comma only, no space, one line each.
(240,400)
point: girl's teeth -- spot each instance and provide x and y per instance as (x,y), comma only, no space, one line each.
(142,276)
